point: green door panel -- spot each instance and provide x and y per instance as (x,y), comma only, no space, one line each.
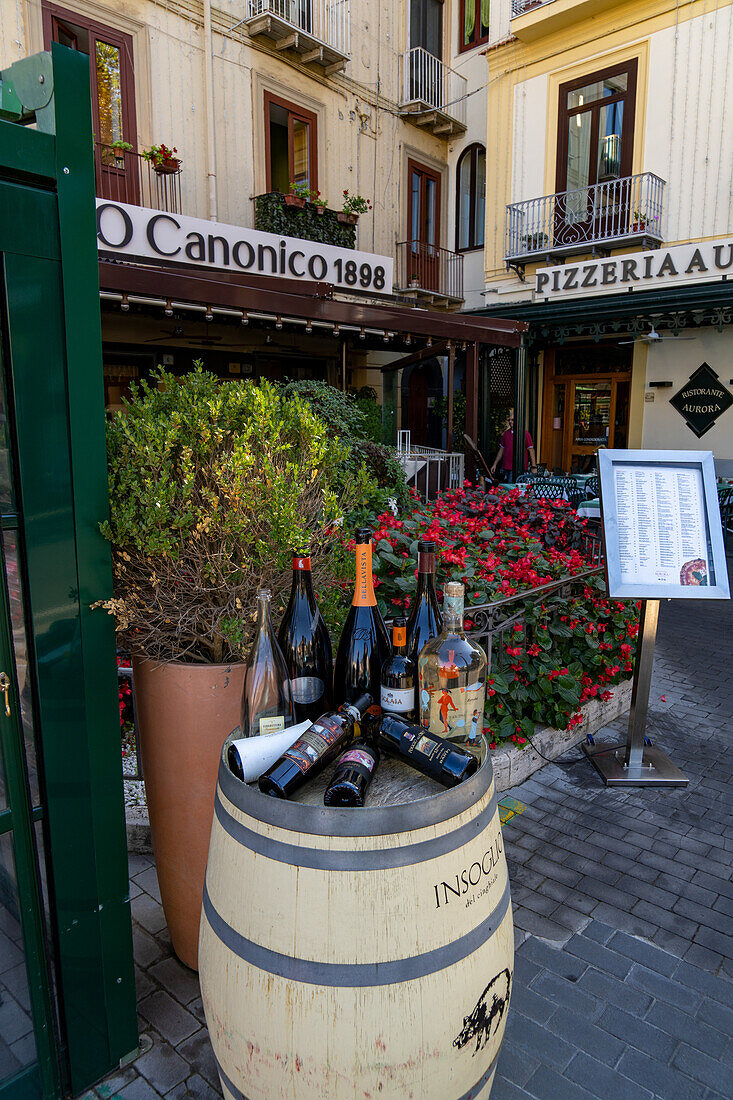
(30,224)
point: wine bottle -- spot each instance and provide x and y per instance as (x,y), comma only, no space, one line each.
(267,701)
(425,621)
(364,645)
(354,772)
(429,754)
(306,646)
(314,748)
(399,676)
(249,757)
(452,678)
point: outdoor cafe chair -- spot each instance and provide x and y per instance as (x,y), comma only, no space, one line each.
(558,488)
(482,466)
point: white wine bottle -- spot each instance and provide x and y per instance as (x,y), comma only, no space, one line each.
(452,678)
(267,698)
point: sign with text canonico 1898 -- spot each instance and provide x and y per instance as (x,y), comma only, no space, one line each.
(155,236)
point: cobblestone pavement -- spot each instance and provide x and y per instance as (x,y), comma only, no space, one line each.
(623,907)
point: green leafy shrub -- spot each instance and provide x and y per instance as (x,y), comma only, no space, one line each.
(273,216)
(370,474)
(212,486)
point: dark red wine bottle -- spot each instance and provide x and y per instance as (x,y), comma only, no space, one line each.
(364,644)
(306,646)
(321,742)
(399,675)
(425,621)
(428,753)
(354,772)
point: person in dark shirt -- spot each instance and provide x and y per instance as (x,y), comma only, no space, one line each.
(505,456)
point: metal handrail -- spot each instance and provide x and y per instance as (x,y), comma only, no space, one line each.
(125,176)
(328,21)
(425,79)
(631,206)
(422,266)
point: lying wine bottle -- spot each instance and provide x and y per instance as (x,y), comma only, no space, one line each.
(249,757)
(430,754)
(354,772)
(314,748)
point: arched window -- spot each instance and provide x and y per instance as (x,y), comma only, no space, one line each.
(470,198)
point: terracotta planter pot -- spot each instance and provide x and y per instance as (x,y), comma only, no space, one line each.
(347,219)
(184,714)
(294,200)
(167,167)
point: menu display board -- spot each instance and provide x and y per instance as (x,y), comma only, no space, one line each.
(662,525)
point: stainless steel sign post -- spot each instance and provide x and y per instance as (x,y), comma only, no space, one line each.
(663,540)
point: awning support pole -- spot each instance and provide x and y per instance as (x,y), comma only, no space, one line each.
(451,364)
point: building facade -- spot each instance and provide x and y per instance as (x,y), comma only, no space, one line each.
(382,100)
(609,223)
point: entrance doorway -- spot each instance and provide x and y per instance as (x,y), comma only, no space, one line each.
(586,405)
(423,225)
(422,385)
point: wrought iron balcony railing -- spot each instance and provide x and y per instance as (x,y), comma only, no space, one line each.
(606,215)
(318,30)
(519,7)
(431,93)
(123,176)
(428,272)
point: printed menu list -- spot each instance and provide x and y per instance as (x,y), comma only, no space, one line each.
(661,525)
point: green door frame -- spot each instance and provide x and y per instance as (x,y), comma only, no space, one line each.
(61,480)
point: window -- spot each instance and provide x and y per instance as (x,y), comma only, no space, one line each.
(112,71)
(473,28)
(290,145)
(596,128)
(470,198)
(426,26)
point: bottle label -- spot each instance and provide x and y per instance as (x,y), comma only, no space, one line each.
(314,743)
(399,635)
(427,747)
(272,725)
(364,589)
(397,700)
(358,756)
(453,711)
(302,564)
(307,689)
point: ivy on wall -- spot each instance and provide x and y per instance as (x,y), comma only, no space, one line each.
(273,216)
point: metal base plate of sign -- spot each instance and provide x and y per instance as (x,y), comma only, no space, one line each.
(636,764)
(655,769)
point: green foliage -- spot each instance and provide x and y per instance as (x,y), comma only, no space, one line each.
(371,475)
(366,401)
(212,486)
(273,216)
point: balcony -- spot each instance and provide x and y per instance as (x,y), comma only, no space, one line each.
(595,219)
(318,31)
(532,19)
(431,94)
(428,274)
(122,176)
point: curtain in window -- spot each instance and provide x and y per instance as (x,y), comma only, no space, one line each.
(485,10)
(469,8)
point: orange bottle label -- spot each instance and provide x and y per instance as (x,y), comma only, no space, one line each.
(364,589)
(302,563)
(399,635)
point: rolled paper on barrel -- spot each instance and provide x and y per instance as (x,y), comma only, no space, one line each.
(249,757)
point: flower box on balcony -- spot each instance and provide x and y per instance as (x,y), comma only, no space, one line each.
(313,222)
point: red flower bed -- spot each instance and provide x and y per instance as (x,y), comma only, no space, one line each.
(566,650)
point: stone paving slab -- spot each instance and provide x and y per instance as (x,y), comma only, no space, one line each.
(623,905)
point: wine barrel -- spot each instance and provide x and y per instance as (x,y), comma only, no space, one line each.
(357,952)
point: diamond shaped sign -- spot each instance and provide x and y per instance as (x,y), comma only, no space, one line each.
(702,399)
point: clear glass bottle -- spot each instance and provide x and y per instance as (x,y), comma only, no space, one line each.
(267,698)
(452,678)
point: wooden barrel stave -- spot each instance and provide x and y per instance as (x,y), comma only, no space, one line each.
(323,980)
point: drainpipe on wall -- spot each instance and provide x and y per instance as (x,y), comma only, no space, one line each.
(209,94)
